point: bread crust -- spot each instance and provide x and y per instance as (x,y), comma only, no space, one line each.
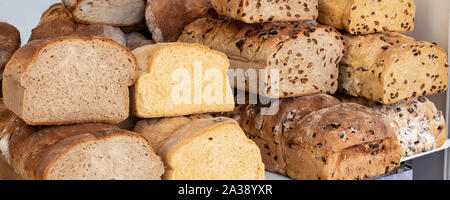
(9,43)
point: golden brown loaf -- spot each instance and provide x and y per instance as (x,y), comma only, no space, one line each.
(419,126)
(368,16)
(203,148)
(9,43)
(253,11)
(298,51)
(391,67)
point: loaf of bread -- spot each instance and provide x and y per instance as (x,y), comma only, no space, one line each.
(302,58)
(204,148)
(136,40)
(167,18)
(76,152)
(368,16)
(268,131)
(111,12)
(257,11)
(177,79)
(70,80)
(347,141)
(391,67)
(418,124)
(6,172)
(9,43)
(57,22)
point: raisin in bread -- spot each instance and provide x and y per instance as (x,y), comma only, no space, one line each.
(257,11)
(167,18)
(268,131)
(111,12)
(179,79)
(305,55)
(391,67)
(70,80)
(57,22)
(368,16)
(77,152)
(203,148)
(418,124)
(9,43)
(347,141)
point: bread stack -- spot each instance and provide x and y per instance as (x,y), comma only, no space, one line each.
(93,96)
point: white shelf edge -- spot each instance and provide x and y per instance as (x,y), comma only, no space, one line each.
(274,176)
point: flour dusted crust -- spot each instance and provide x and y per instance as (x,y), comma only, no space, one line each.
(299,51)
(368,16)
(257,11)
(419,126)
(391,67)
(347,141)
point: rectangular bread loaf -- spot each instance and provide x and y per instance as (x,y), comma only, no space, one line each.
(368,16)
(177,79)
(203,148)
(76,152)
(257,11)
(391,67)
(301,58)
(419,126)
(316,137)
(70,80)
(57,22)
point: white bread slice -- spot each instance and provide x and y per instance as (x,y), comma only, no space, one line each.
(70,80)
(111,12)
(57,22)
(165,70)
(203,148)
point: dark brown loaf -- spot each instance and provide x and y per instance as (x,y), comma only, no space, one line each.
(57,22)
(253,11)
(9,43)
(268,131)
(347,141)
(305,55)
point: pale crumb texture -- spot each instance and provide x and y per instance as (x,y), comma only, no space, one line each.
(200,147)
(390,67)
(305,55)
(418,124)
(155,94)
(257,11)
(368,16)
(111,12)
(70,80)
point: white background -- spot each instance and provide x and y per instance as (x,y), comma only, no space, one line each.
(432,24)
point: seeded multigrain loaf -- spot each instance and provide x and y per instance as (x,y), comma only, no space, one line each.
(111,12)
(203,148)
(347,141)
(70,80)
(57,22)
(9,43)
(419,126)
(177,79)
(368,16)
(257,11)
(167,18)
(391,67)
(268,131)
(305,55)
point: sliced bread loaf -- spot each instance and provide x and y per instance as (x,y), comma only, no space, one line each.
(167,18)
(111,12)
(57,22)
(9,43)
(204,149)
(368,16)
(180,79)
(391,67)
(70,80)
(289,59)
(257,11)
